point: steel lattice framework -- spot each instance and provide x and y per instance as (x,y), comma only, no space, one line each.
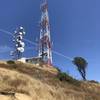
(45,47)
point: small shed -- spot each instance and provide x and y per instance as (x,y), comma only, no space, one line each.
(34,60)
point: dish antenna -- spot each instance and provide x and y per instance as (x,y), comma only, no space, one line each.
(18,42)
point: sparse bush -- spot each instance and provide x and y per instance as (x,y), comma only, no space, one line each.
(58,69)
(93,81)
(65,77)
(10,62)
(62,76)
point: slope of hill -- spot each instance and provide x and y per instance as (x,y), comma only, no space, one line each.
(21,81)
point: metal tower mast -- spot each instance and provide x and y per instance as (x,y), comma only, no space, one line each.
(19,44)
(45,49)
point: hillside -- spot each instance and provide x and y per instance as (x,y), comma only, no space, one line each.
(21,81)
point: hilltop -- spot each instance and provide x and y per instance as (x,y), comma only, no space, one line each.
(23,81)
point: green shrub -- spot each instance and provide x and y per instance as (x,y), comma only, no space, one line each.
(58,69)
(10,62)
(62,76)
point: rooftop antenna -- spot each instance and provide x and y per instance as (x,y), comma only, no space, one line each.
(45,47)
(18,43)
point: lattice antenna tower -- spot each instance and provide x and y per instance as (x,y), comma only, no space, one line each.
(18,43)
(45,47)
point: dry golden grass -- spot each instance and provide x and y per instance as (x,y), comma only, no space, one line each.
(35,82)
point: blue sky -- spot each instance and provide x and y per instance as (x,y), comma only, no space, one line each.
(75,30)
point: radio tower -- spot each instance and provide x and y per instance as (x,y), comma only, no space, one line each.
(45,49)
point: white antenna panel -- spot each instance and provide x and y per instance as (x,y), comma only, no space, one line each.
(20,33)
(21,27)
